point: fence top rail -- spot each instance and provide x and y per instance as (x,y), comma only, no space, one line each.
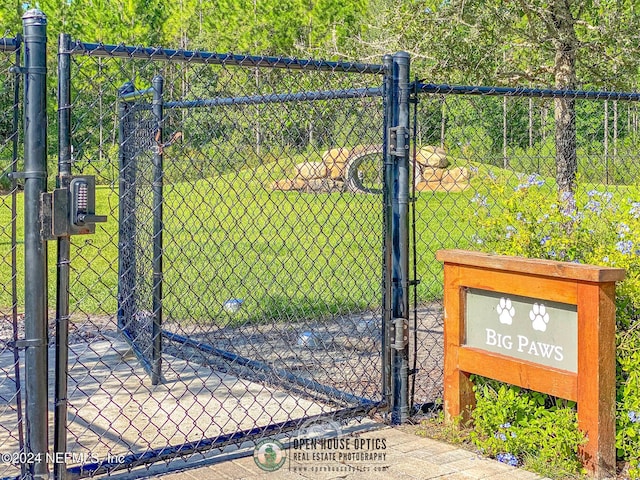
(524,92)
(308,96)
(278,98)
(10,44)
(135,95)
(211,58)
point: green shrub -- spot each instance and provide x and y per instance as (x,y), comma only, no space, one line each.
(520,427)
(594,226)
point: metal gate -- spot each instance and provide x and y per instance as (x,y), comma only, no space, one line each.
(232,251)
(11,317)
(235,290)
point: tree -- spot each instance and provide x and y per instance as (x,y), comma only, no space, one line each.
(10,18)
(564,44)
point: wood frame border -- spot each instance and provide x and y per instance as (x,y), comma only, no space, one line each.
(591,289)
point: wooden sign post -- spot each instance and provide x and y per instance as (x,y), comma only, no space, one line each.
(538,324)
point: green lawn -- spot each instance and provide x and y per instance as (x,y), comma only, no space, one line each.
(286,254)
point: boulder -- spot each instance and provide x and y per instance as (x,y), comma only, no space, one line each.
(456,175)
(441,187)
(320,185)
(287,184)
(359,149)
(434,157)
(431,174)
(431,148)
(335,161)
(310,170)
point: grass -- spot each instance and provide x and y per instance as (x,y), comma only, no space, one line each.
(288,255)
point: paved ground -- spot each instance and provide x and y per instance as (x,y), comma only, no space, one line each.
(407,457)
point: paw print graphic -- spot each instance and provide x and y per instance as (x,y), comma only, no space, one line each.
(505,311)
(539,317)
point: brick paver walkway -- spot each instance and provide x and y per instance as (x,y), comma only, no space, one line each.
(408,457)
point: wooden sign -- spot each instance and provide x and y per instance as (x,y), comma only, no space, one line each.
(538,324)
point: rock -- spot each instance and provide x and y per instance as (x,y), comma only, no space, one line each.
(432,149)
(431,174)
(309,340)
(335,161)
(314,185)
(458,175)
(441,187)
(359,149)
(318,185)
(455,179)
(310,170)
(435,157)
(287,184)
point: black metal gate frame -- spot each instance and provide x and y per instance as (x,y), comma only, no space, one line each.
(34,70)
(395,132)
(157,106)
(395,340)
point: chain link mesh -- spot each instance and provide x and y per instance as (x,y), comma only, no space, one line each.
(11,318)
(486,181)
(242,256)
(271,250)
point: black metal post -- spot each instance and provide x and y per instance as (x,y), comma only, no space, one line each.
(156,334)
(387,276)
(35,247)
(400,240)
(64,258)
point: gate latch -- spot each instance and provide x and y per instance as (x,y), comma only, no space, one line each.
(71,211)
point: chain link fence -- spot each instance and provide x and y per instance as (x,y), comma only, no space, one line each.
(250,276)
(486,179)
(235,289)
(11,317)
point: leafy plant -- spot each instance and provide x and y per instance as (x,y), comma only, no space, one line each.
(519,427)
(594,226)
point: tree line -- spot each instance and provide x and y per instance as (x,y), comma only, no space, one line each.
(563,44)
(283,27)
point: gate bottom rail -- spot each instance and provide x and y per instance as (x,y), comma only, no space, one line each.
(331,392)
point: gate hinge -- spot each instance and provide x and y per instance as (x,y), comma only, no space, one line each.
(25,343)
(22,70)
(399,333)
(396,133)
(71,211)
(413,283)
